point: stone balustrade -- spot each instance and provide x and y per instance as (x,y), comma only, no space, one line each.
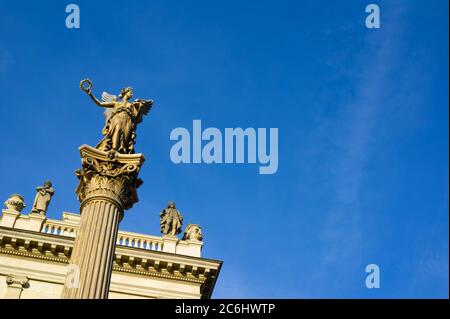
(57,227)
(140,241)
(68,227)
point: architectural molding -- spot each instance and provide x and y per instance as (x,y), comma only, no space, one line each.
(133,261)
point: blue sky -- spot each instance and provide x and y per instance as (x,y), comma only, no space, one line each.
(362,117)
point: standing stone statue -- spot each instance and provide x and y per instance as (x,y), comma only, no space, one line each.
(43,197)
(121,117)
(171,220)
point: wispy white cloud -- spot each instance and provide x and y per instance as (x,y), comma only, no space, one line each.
(352,138)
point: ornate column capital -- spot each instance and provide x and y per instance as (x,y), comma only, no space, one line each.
(109,175)
(15,284)
(17,281)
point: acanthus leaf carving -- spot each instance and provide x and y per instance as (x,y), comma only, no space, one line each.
(109,175)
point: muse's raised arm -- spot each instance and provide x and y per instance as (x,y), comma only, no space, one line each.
(86,86)
(98,102)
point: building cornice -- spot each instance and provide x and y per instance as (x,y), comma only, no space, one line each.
(141,262)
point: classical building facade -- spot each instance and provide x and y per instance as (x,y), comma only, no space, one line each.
(35,253)
(86,256)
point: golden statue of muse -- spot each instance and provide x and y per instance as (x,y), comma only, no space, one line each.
(122,116)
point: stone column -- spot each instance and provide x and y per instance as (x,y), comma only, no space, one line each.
(108,182)
(15,285)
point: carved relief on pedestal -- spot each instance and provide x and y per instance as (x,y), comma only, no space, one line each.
(109,174)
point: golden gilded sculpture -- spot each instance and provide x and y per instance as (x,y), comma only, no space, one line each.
(122,117)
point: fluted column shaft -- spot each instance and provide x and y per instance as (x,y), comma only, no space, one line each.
(108,183)
(93,251)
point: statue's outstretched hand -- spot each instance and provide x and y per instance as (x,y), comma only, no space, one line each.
(86,86)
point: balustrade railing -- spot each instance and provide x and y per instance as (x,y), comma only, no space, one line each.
(128,239)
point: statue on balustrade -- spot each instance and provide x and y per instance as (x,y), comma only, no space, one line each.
(171,220)
(193,232)
(43,198)
(122,117)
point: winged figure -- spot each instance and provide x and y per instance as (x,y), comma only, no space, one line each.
(121,118)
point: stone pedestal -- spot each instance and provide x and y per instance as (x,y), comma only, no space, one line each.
(195,247)
(36,221)
(108,183)
(170,244)
(9,218)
